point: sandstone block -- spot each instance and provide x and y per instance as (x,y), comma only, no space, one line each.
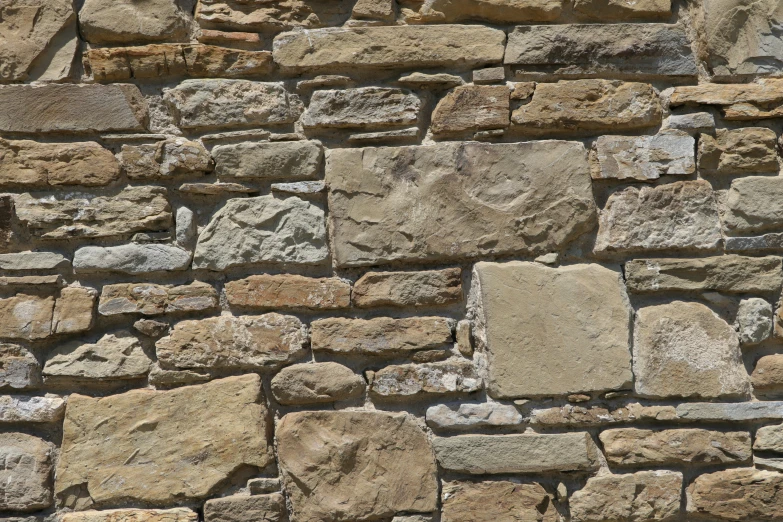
(248,342)
(19,261)
(19,369)
(25,477)
(73,310)
(380,336)
(690,123)
(492,454)
(496,500)
(127,21)
(151,299)
(753,205)
(623,10)
(365,107)
(238,15)
(472,415)
(745,101)
(259,486)
(739,151)
(236,508)
(736,412)
(428,288)
(737,494)
(131,259)
(644,158)
(132,515)
(642,496)
(754,321)
(288,291)
(387,465)
(21,408)
(588,352)
(233,39)
(681,215)
(183,443)
(113,357)
(316,383)
(574,415)
(413,203)
(471,108)
(686,350)
(507,12)
(454,376)
(769,438)
(374,10)
(269,160)
(768,374)
(27,317)
(165,159)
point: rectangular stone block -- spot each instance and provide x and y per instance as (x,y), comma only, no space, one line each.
(380,336)
(132,515)
(152,299)
(737,494)
(454,201)
(753,204)
(19,368)
(289,291)
(26,472)
(265,160)
(27,317)
(262,17)
(644,158)
(133,258)
(411,381)
(430,288)
(738,151)
(493,501)
(762,243)
(23,408)
(622,10)
(22,261)
(240,508)
(744,101)
(731,411)
(366,107)
(506,12)
(165,159)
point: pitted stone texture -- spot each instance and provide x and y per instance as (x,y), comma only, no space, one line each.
(289,291)
(519,308)
(754,204)
(264,160)
(132,515)
(768,374)
(769,438)
(72,108)
(25,474)
(182,443)
(342,466)
(19,369)
(744,101)
(382,336)
(530,453)
(681,215)
(400,289)
(740,151)
(226,104)
(406,47)
(363,108)
(588,107)
(737,494)
(131,259)
(240,343)
(452,201)
(691,123)
(114,357)
(239,15)
(152,299)
(623,10)
(686,350)
(754,321)
(22,408)
(644,158)
(637,497)
(27,317)
(506,12)
(240,508)
(471,108)
(263,230)
(601,50)
(495,501)
(26,163)
(412,381)
(459,416)
(316,383)
(165,159)
(127,21)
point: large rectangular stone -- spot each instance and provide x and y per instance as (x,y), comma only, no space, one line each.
(453,200)
(750,150)
(25,472)
(265,17)
(132,515)
(503,13)
(736,494)
(289,291)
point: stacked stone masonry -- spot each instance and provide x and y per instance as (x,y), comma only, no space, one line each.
(391,261)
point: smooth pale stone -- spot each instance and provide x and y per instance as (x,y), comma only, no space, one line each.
(405,381)
(737,494)
(644,158)
(468,415)
(506,12)
(25,478)
(495,501)
(33,261)
(362,108)
(601,50)
(240,508)
(622,10)
(690,123)
(411,203)
(407,47)
(749,150)
(769,438)
(732,412)
(588,352)
(126,21)
(754,321)
(27,317)
(19,369)
(269,160)
(23,408)
(493,454)
(132,515)
(686,350)
(430,81)
(754,204)
(131,259)
(316,383)
(69,108)
(768,464)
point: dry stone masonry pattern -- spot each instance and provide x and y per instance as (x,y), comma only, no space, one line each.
(391,260)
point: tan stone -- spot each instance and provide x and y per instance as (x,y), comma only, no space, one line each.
(644,158)
(25,475)
(623,10)
(584,416)
(746,101)
(170,157)
(374,10)
(19,369)
(406,381)
(768,374)
(234,39)
(74,310)
(132,515)
(240,508)
(182,443)
(151,299)
(471,108)
(739,151)
(753,204)
(769,438)
(114,357)
(269,160)
(355,465)
(26,163)
(738,495)
(380,336)
(248,342)
(127,21)
(316,383)
(588,107)
(288,291)
(497,11)
(26,317)
(282,15)
(496,501)
(363,108)
(430,288)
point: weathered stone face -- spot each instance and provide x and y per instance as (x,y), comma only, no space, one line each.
(239,15)
(509,501)
(408,288)
(754,321)
(644,158)
(19,369)
(587,353)
(184,443)
(126,21)
(25,477)
(25,408)
(316,383)
(769,438)
(505,12)
(292,160)
(26,317)
(132,515)
(404,204)
(768,374)
(745,101)
(739,151)
(340,465)
(149,299)
(470,108)
(737,494)
(289,291)
(414,380)
(164,159)
(622,10)
(131,259)
(32,261)
(114,357)
(236,508)
(753,205)
(471,415)
(366,107)
(573,415)
(380,336)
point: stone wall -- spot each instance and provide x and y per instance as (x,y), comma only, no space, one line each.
(391,260)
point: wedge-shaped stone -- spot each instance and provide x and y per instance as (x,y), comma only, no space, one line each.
(737,494)
(225,104)
(588,107)
(686,350)
(677,216)
(588,352)
(283,15)
(126,21)
(151,299)
(492,454)
(644,158)
(471,108)
(380,336)
(114,357)
(19,369)
(739,151)
(25,477)
(248,342)
(182,443)
(435,287)
(452,201)
(164,159)
(395,47)
(729,274)
(501,12)
(753,204)
(72,108)
(264,160)
(495,501)
(745,101)
(316,383)
(263,230)
(767,376)
(635,447)
(26,317)
(132,259)
(601,50)
(23,408)
(289,291)
(642,496)
(460,416)
(365,107)
(241,508)
(355,465)
(622,10)
(408,381)
(132,515)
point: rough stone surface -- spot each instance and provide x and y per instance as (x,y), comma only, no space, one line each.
(583,416)
(690,123)
(753,205)
(286,160)
(132,515)
(383,336)
(768,374)
(150,299)
(27,317)
(471,108)
(754,321)
(236,508)
(113,357)
(23,408)
(366,107)
(125,21)
(468,415)
(738,412)
(644,158)
(737,494)
(316,383)
(739,102)
(164,159)
(623,10)
(513,11)
(289,291)
(415,380)
(740,151)
(402,289)
(238,15)
(19,369)
(33,261)
(341,465)
(25,477)
(132,259)
(509,501)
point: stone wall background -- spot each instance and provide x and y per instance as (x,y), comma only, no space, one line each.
(391,260)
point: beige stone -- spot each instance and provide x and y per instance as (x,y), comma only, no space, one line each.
(412,381)
(586,352)
(233,39)
(753,204)
(74,310)
(362,108)
(282,15)
(769,438)
(247,342)
(355,465)
(429,288)
(164,159)
(456,200)
(642,496)
(239,508)
(113,357)
(22,261)
(269,160)
(183,443)
(585,416)
(471,108)
(745,101)
(132,515)
(374,10)
(19,369)
(644,158)
(316,383)
(588,107)
(26,317)
(497,11)
(383,336)
(495,501)
(686,350)
(737,494)
(25,476)
(289,291)
(152,299)
(739,151)
(31,409)
(768,374)
(468,415)
(623,10)
(127,21)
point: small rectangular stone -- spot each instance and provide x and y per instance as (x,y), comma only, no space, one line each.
(164,159)
(767,242)
(380,336)
(22,281)
(403,135)
(644,158)
(20,261)
(690,123)
(489,75)
(239,508)
(25,478)
(502,13)
(411,381)
(753,205)
(289,291)
(365,107)
(493,454)
(132,515)
(73,311)
(27,317)
(19,369)
(472,108)
(265,160)
(300,187)
(24,408)
(731,411)
(571,415)
(469,415)
(151,299)
(429,288)
(742,101)
(133,258)
(622,10)
(736,494)
(751,150)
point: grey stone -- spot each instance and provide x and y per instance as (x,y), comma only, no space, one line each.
(25,477)
(691,123)
(400,289)
(750,150)
(33,261)
(644,158)
(754,204)
(397,135)
(766,242)
(19,369)
(489,75)
(469,415)
(260,486)
(264,160)
(240,508)
(365,107)
(24,408)
(769,438)
(732,411)
(165,159)
(453,376)
(263,230)
(754,320)
(126,21)
(774,464)
(492,454)
(113,357)
(133,258)
(316,383)
(187,228)
(303,188)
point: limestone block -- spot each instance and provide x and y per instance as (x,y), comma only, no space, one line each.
(500,12)
(132,515)
(289,291)
(269,160)
(571,415)
(737,494)
(74,310)
(127,21)
(411,381)
(740,151)
(365,107)
(134,258)
(316,383)
(114,357)
(27,317)
(374,10)
(471,108)
(152,299)
(382,336)
(164,159)
(623,10)
(28,260)
(754,321)
(283,15)
(496,500)
(460,416)
(25,477)
(644,158)
(690,123)
(735,412)
(768,374)
(400,289)
(745,101)
(23,409)
(769,438)
(239,508)
(19,369)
